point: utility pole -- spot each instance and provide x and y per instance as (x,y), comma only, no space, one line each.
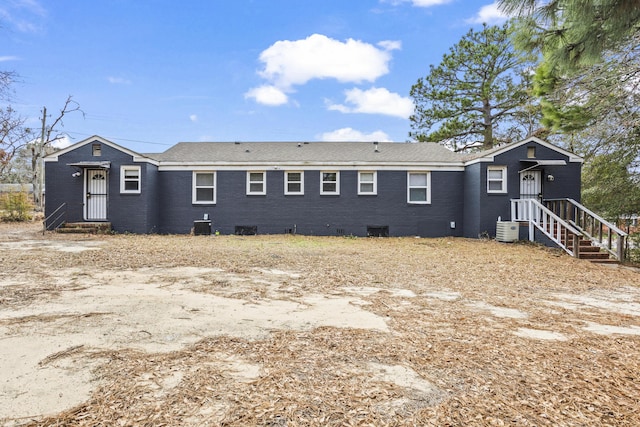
(40,161)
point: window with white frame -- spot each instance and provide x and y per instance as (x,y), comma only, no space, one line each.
(329,183)
(419,187)
(130,179)
(496,179)
(293,183)
(367,183)
(256,183)
(204,188)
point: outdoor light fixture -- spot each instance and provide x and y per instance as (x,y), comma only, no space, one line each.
(76,174)
(550,178)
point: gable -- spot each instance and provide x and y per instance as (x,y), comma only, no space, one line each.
(137,157)
(490,155)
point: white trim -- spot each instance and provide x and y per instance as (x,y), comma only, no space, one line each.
(374,181)
(307,166)
(322,182)
(503,180)
(137,157)
(194,188)
(287,182)
(263,181)
(428,188)
(123,179)
(573,158)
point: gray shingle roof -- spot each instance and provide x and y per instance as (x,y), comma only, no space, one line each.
(312,152)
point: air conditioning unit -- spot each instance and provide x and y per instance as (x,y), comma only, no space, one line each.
(507,231)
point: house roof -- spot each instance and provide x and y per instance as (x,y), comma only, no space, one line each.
(488,155)
(311,152)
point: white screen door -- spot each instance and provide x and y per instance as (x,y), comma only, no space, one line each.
(530,188)
(530,184)
(96,195)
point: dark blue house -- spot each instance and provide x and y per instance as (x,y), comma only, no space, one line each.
(317,188)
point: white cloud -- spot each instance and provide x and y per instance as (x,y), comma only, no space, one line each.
(8,58)
(349,134)
(418,3)
(375,101)
(390,44)
(63,142)
(193,118)
(118,81)
(488,14)
(267,95)
(27,16)
(289,63)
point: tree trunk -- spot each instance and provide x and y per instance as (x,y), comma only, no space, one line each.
(488,125)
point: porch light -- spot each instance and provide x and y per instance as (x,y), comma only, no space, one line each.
(550,178)
(76,174)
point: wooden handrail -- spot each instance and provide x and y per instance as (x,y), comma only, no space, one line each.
(591,225)
(551,225)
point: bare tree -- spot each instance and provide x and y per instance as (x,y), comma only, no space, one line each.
(43,145)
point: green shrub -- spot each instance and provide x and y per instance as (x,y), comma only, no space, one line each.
(15,206)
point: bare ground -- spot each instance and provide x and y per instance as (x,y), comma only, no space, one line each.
(294,330)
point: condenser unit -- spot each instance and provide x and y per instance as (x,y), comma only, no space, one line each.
(507,231)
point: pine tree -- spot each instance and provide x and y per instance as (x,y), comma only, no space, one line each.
(473,95)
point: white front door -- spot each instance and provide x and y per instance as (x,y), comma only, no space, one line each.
(96,195)
(530,188)
(530,184)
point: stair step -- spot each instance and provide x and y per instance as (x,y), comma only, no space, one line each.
(84,227)
(594,255)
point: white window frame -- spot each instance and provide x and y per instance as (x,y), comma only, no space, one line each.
(195,187)
(287,181)
(374,181)
(427,187)
(502,180)
(263,181)
(124,179)
(322,182)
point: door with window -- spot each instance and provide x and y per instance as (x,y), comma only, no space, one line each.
(96,195)
(530,188)
(530,185)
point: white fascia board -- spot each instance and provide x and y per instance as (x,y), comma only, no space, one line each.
(573,158)
(137,157)
(308,166)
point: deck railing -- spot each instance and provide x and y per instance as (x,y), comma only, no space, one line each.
(55,218)
(602,232)
(551,225)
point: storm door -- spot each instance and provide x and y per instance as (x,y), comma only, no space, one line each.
(530,188)
(530,184)
(96,195)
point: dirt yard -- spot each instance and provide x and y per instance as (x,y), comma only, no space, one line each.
(129,330)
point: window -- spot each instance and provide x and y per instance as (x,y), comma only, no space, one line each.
(531,152)
(130,179)
(419,187)
(496,179)
(204,188)
(96,150)
(293,183)
(367,183)
(256,183)
(330,183)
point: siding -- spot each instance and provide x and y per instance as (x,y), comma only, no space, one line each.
(133,213)
(312,213)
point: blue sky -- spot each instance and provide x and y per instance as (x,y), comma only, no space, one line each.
(149,74)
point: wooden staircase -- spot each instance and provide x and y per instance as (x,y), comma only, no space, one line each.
(574,228)
(590,252)
(84,228)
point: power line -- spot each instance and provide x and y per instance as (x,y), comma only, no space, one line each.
(122,139)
